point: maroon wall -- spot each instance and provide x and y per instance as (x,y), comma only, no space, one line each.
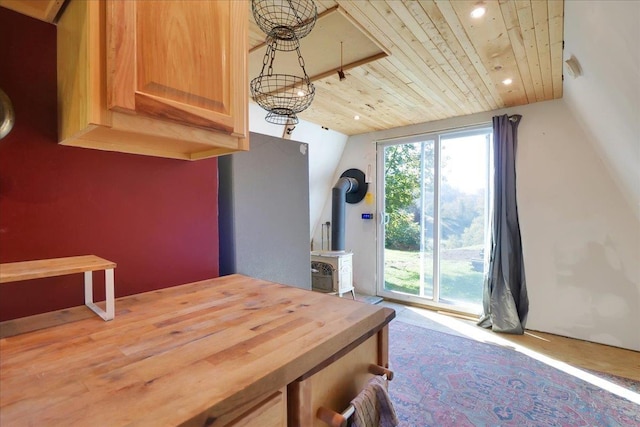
(156,218)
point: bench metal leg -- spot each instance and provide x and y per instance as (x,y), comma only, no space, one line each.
(109,314)
(88,288)
(109,293)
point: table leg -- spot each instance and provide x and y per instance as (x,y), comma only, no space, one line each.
(110,293)
(88,287)
(109,314)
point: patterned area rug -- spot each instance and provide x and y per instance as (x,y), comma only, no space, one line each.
(447,380)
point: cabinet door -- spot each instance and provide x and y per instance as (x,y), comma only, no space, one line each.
(270,413)
(267,411)
(179,60)
(334,385)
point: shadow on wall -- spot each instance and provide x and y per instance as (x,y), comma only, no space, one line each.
(600,294)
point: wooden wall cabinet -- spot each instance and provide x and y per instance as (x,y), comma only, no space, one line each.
(164,78)
(44,10)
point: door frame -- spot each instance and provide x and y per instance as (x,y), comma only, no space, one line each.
(380,206)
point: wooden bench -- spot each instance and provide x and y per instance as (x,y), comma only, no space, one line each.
(87,264)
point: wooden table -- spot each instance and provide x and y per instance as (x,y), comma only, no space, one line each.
(87,264)
(187,355)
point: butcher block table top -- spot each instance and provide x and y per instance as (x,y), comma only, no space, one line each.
(26,270)
(176,356)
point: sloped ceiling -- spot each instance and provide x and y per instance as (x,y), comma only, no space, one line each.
(603,37)
(441,62)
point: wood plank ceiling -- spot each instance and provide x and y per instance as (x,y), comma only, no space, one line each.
(441,62)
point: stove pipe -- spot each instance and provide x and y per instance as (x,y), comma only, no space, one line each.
(344,186)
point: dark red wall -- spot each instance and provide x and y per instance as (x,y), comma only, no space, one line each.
(156,218)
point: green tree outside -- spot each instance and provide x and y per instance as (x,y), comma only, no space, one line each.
(461,225)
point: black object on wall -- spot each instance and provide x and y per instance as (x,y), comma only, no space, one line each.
(350,188)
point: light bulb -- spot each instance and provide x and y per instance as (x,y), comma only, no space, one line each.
(478,12)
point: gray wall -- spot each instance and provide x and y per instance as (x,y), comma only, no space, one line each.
(264,211)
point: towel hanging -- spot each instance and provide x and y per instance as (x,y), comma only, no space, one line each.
(373,407)
(374,391)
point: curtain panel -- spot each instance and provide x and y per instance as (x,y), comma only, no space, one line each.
(505,300)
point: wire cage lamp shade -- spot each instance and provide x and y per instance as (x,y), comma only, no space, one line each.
(285,19)
(283,96)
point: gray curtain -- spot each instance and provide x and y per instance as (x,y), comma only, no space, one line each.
(505,301)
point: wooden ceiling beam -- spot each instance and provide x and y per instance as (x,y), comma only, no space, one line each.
(348,67)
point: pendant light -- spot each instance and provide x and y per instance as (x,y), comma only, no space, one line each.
(341,75)
(285,22)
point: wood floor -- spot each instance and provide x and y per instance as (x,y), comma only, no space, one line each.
(574,352)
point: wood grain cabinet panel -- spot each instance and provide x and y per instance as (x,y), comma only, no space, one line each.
(44,10)
(266,411)
(164,78)
(334,386)
(270,413)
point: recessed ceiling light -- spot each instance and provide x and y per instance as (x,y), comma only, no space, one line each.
(478,11)
(356,117)
(507,81)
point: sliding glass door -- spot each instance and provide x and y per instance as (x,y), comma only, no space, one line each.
(433,191)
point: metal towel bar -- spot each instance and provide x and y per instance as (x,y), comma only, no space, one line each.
(335,419)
